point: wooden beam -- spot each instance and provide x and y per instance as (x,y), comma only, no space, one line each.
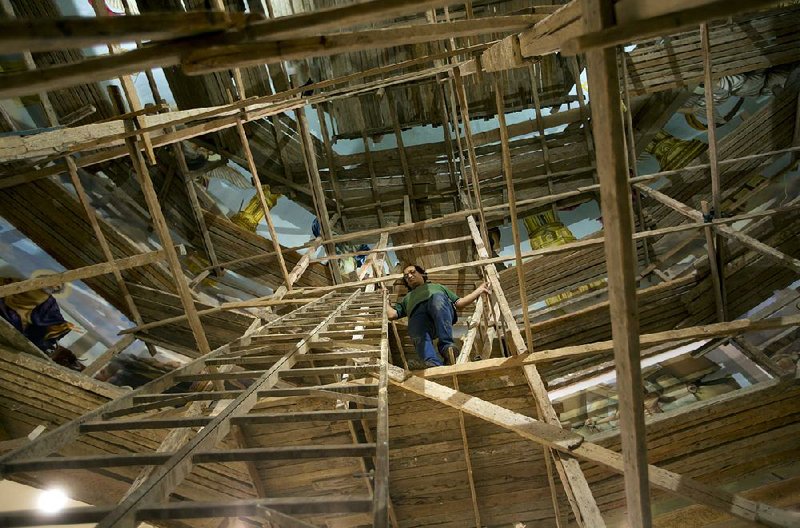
(713,265)
(103,359)
(634,27)
(512,203)
(612,170)
(572,478)
(318,192)
(717,258)
(358,112)
(517,342)
(381,480)
(92,216)
(83,32)
(276,246)
(210,59)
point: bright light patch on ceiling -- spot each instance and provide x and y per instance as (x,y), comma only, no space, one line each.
(52,500)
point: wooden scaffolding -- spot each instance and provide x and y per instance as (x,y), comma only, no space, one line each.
(307,393)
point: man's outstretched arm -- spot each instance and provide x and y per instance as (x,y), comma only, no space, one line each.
(472,297)
(391,312)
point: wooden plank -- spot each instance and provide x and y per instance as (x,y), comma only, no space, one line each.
(612,170)
(401,150)
(713,264)
(197,210)
(517,342)
(94,221)
(30,64)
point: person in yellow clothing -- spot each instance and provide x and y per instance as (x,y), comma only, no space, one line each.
(431,311)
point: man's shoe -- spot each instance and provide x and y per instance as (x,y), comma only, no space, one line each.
(431,363)
(451,360)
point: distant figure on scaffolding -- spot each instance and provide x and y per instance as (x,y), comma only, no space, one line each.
(431,310)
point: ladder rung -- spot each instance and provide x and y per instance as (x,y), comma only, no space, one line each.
(308,416)
(323,371)
(211,376)
(154,423)
(350,354)
(86,462)
(206,457)
(285,453)
(250,507)
(196,510)
(351,388)
(194,396)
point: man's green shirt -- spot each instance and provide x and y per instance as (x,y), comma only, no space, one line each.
(421,294)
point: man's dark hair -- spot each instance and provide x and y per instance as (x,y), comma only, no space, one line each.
(419,269)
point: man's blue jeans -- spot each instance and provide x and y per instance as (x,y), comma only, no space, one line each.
(432,318)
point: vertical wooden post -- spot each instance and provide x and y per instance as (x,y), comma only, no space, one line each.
(619,249)
(587,131)
(317,194)
(535,78)
(473,161)
(523,296)
(512,205)
(401,149)
(130,91)
(448,143)
(716,192)
(197,211)
(160,224)
(368,157)
(49,111)
(712,265)
(631,144)
(261,198)
(326,140)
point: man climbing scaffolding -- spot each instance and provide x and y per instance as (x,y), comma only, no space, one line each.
(431,310)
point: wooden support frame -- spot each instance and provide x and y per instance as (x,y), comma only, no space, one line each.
(556,438)
(748,241)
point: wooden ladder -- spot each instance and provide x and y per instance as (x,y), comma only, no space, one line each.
(331,349)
